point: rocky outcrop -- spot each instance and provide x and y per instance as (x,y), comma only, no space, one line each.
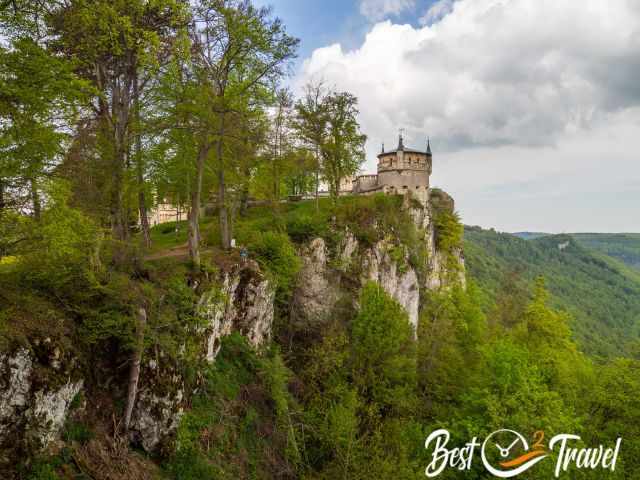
(159,406)
(242,301)
(317,288)
(48,413)
(386,262)
(36,392)
(397,278)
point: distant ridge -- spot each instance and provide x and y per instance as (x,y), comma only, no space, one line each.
(600,291)
(624,247)
(530,235)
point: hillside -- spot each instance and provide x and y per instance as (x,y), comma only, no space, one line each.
(624,247)
(602,295)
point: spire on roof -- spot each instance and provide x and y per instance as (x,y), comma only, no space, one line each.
(428,146)
(400,144)
(382,147)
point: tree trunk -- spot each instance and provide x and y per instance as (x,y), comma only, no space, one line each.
(317,179)
(225,224)
(244,194)
(134,370)
(194,212)
(3,202)
(35,198)
(142,204)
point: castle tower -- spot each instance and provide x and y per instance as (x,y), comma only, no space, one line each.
(405,169)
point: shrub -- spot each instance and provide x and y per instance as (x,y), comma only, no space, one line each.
(58,251)
(383,361)
(448,230)
(304,227)
(277,255)
(77,432)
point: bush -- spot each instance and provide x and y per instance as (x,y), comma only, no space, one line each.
(58,253)
(384,361)
(448,230)
(304,227)
(277,255)
(77,432)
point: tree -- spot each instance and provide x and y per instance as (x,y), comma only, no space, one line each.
(343,150)
(113,43)
(36,103)
(383,363)
(238,49)
(310,123)
(280,139)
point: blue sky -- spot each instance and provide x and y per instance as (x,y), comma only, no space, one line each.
(318,23)
(532,106)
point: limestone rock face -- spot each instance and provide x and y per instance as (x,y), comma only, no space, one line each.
(319,281)
(35,395)
(244,303)
(15,386)
(317,290)
(159,406)
(48,413)
(399,281)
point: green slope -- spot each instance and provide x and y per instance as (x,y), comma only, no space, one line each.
(622,246)
(602,294)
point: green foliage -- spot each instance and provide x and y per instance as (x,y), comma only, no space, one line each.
(277,255)
(622,246)
(361,395)
(449,230)
(304,227)
(451,331)
(602,299)
(383,356)
(239,425)
(58,253)
(342,147)
(77,432)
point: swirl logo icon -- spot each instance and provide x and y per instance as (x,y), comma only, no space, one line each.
(505,453)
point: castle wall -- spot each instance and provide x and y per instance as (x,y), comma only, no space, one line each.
(364,183)
(403,180)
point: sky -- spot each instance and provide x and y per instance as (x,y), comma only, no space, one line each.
(532,106)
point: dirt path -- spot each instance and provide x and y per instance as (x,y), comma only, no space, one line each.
(178,251)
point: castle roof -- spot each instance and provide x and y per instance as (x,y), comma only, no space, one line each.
(402,148)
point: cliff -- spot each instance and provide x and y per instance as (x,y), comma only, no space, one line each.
(409,258)
(47,383)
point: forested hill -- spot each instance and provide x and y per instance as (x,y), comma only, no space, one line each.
(602,295)
(622,246)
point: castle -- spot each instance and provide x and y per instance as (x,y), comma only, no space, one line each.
(399,171)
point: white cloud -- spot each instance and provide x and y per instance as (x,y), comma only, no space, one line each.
(437,11)
(379,9)
(512,84)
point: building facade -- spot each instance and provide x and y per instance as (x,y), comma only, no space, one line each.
(399,171)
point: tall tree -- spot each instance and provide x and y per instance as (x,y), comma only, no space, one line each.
(343,150)
(37,99)
(113,43)
(280,139)
(310,122)
(238,48)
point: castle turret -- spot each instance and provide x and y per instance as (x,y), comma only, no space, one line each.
(399,171)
